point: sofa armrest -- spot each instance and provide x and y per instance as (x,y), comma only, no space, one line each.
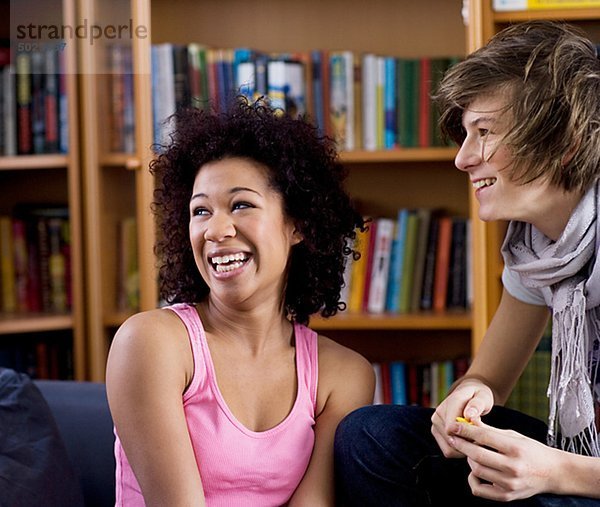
(84,421)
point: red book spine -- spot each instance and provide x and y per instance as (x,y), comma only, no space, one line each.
(386,383)
(369,265)
(442,264)
(21,265)
(24,98)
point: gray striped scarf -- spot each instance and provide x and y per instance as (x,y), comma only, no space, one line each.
(569,267)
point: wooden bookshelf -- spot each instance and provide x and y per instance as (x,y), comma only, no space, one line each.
(51,178)
(115,184)
(103,187)
(487,237)
(118,184)
(484,23)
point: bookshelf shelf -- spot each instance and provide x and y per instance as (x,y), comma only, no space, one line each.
(126,160)
(33,162)
(34,322)
(399,155)
(351,157)
(460,320)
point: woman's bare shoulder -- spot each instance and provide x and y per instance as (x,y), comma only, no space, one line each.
(346,378)
(343,369)
(150,341)
(332,353)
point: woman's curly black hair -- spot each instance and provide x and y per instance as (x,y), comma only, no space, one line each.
(303,168)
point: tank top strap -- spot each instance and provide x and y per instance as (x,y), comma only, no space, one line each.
(190,318)
(307,360)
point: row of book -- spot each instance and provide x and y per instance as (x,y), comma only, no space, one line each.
(530,393)
(524,5)
(364,101)
(33,102)
(35,271)
(411,383)
(40,358)
(416,262)
(119,90)
(427,384)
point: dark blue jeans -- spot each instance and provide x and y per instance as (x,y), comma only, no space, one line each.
(385,456)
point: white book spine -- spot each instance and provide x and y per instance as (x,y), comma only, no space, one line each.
(369,100)
(381,265)
(349,71)
(509,5)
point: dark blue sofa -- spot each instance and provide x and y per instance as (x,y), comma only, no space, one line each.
(81,412)
(56,443)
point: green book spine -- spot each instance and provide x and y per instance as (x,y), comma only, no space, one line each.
(412,231)
(420,254)
(528,389)
(542,360)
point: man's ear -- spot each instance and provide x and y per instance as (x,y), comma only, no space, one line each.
(567,157)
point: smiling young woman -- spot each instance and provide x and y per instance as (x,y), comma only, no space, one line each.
(226,397)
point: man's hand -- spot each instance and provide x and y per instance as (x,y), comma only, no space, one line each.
(470,399)
(505,465)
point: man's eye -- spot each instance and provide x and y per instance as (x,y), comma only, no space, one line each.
(483,132)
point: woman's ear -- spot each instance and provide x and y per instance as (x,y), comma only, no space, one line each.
(297,236)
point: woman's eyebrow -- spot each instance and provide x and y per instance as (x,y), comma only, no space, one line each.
(233,190)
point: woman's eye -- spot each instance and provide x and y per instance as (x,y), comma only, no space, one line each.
(483,132)
(199,211)
(242,205)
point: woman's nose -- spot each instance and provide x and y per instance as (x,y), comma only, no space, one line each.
(220,227)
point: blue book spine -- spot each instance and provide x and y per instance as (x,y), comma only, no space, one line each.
(155,93)
(63,106)
(398,382)
(389,101)
(225,79)
(317,84)
(240,55)
(392,302)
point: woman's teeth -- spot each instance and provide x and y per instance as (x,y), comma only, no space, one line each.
(230,262)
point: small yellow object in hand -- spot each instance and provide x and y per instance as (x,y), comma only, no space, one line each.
(463,420)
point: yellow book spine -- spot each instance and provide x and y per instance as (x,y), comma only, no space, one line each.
(561,4)
(7,266)
(359,271)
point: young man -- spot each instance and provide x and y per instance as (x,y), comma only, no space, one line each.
(525,110)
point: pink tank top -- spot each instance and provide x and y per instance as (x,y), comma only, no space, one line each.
(239,467)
